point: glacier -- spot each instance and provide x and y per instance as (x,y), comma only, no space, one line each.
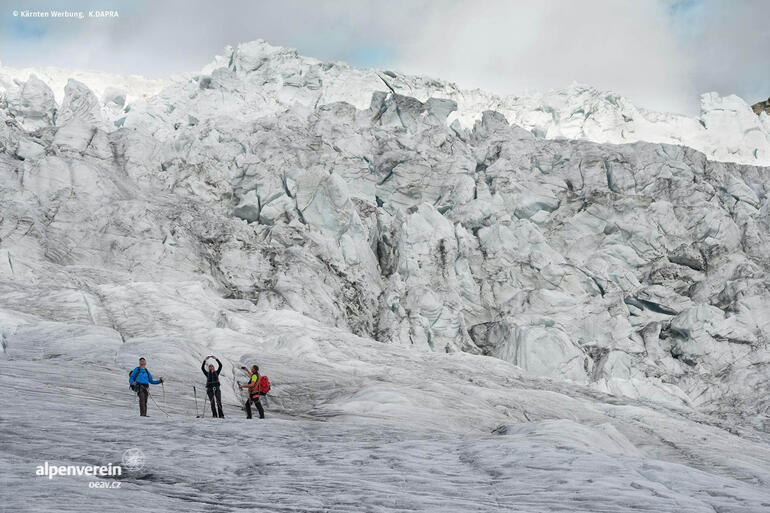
(549,302)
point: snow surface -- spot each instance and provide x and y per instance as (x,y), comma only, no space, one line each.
(457,313)
(355,425)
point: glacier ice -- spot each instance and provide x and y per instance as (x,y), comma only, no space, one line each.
(372,239)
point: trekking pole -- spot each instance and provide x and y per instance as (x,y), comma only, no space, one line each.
(203,413)
(240,396)
(163,387)
(195,394)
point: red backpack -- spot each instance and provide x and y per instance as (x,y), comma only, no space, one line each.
(263,386)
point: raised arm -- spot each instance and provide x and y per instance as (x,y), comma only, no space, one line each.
(203,368)
(219,365)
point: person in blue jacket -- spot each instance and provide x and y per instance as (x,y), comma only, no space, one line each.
(140,379)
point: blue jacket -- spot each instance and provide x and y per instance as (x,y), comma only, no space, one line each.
(142,376)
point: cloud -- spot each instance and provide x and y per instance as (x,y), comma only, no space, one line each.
(729,44)
(659,53)
(625,46)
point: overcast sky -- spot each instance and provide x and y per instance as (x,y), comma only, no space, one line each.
(659,53)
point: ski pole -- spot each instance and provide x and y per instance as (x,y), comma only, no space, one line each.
(195,394)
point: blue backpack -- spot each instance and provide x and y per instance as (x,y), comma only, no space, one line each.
(131,385)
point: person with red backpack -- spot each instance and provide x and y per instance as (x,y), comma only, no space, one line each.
(258,385)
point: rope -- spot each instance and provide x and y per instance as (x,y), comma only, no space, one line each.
(156,404)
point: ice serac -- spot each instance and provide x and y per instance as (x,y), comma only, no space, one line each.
(79,103)
(32,103)
(271,79)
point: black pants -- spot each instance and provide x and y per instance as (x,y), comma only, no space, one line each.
(255,400)
(213,393)
(143,392)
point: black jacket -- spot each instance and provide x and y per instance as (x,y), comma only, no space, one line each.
(212,378)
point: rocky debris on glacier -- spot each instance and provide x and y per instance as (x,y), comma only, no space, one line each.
(639,269)
(761,107)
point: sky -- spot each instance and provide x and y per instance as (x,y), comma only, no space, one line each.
(661,54)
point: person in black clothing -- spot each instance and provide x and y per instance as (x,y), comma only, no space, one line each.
(212,386)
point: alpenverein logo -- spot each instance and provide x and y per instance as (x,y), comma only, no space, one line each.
(50,471)
(133,459)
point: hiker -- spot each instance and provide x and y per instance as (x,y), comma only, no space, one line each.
(212,386)
(140,380)
(253,389)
